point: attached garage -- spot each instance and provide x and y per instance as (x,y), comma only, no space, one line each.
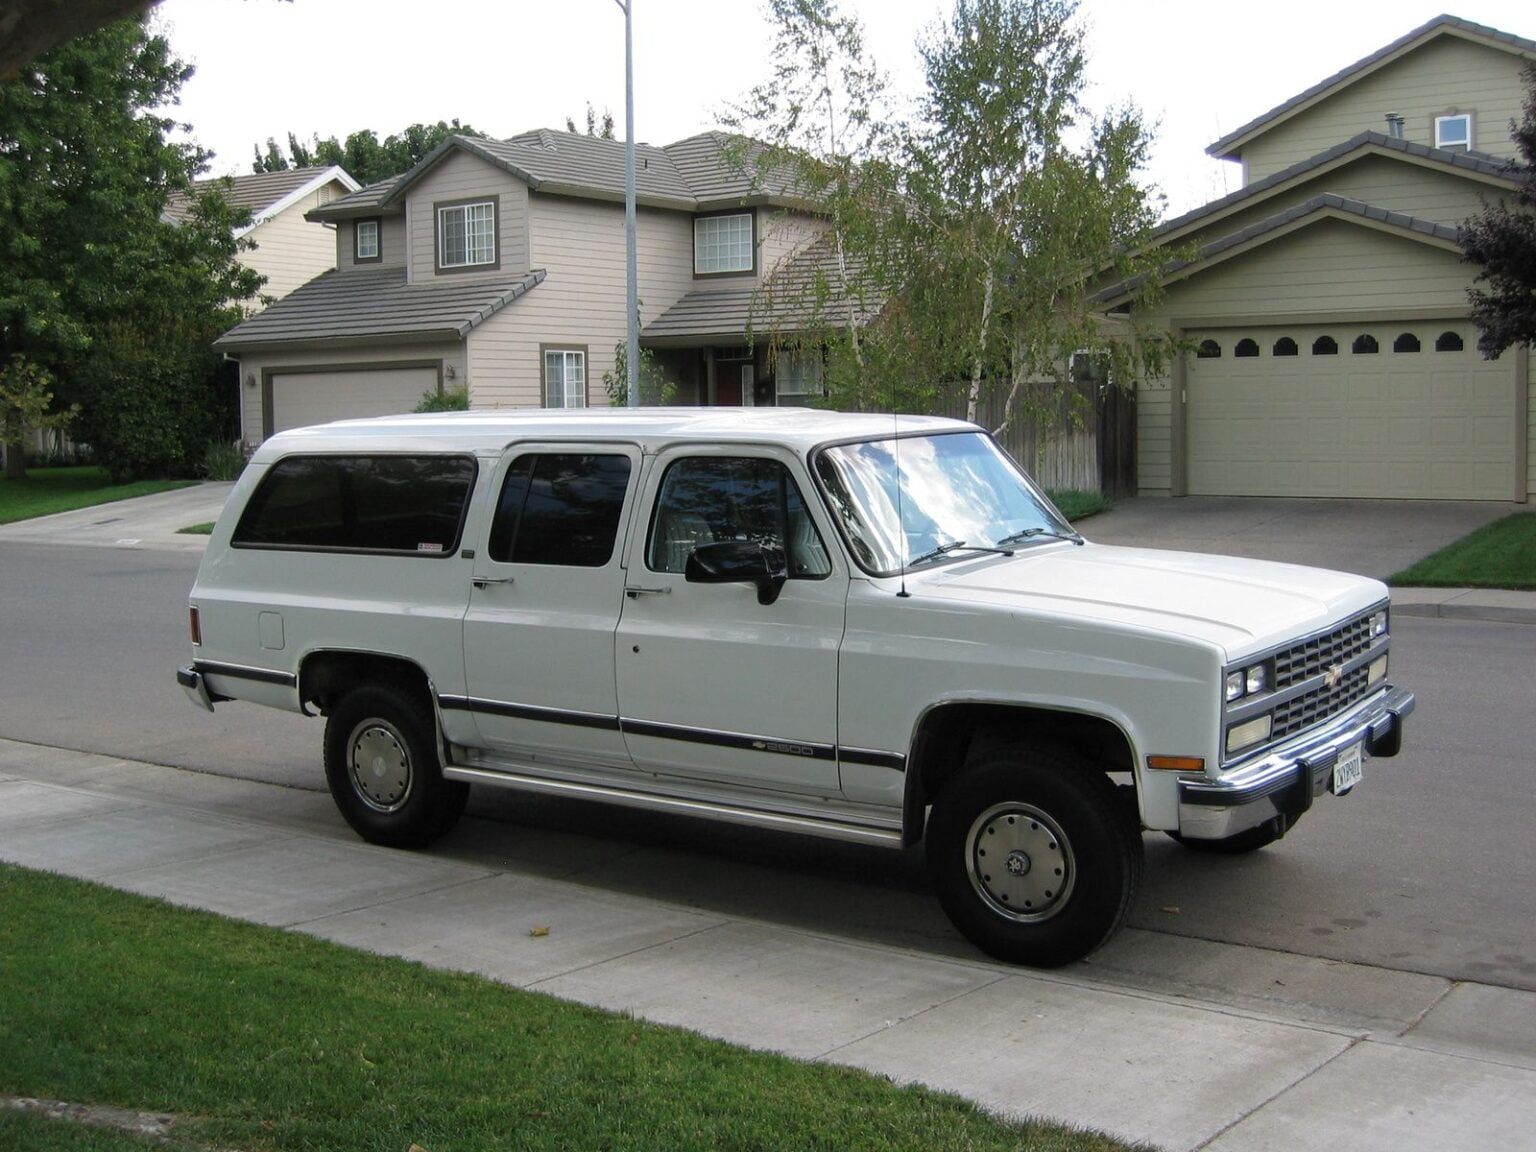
(295,397)
(1368,410)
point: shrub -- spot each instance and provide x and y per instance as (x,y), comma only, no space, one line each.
(223,461)
(448,400)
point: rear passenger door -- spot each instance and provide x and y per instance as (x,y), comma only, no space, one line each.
(548,586)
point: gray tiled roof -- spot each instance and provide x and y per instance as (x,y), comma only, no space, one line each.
(376,303)
(255,192)
(1479,162)
(1398,220)
(1440,24)
(737,311)
(692,174)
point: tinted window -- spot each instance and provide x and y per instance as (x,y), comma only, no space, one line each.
(560,509)
(711,498)
(360,504)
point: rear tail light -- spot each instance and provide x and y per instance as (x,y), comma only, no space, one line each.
(197,628)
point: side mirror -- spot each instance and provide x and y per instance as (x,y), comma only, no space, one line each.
(739,562)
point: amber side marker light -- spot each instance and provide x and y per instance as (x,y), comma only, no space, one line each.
(197,628)
(1177,763)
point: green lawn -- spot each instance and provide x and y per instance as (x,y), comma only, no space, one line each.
(1076,504)
(258,1039)
(49,490)
(1498,555)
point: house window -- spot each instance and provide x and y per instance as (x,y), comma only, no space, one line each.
(365,242)
(798,374)
(1246,348)
(1208,350)
(1449,342)
(1453,131)
(466,235)
(565,377)
(1285,346)
(1325,346)
(1365,345)
(1406,342)
(722,245)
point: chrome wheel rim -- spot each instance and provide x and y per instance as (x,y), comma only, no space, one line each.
(380,765)
(1019,862)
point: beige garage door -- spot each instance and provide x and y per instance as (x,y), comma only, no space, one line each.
(1407,411)
(300,398)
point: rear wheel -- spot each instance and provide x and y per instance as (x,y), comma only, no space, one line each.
(384,771)
(1035,858)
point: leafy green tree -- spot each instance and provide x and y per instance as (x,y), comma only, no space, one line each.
(602,132)
(1502,239)
(26,405)
(362,154)
(87,266)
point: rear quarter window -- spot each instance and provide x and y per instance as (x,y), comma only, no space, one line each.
(386,503)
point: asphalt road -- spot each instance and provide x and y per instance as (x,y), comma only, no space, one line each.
(1426,868)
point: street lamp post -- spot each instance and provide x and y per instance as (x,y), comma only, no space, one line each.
(631,289)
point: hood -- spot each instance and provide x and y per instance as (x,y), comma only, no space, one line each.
(1240,605)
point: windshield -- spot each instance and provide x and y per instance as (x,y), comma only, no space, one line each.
(959,494)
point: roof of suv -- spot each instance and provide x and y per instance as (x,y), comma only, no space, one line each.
(490,430)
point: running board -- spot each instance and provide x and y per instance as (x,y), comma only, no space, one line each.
(802,822)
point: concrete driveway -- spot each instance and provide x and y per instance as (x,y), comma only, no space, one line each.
(1371,537)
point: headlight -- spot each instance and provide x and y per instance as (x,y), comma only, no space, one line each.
(1379,624)
(1255,679)
(1235,683)
(1247,681)
(1242,736)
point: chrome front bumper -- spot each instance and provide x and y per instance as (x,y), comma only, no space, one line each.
(1284,782)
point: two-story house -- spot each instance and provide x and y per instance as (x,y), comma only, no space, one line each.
(499,266)
(288,249)
(1326,301)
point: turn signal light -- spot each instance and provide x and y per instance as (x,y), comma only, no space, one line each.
(1177,763)
(197,628)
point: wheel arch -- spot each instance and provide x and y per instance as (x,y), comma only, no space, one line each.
(326,674)
(949,734)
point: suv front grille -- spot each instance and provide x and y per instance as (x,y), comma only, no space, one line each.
(1315,656)
(1317,705)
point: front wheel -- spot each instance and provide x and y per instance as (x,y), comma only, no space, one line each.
(1034,856)
(384,771)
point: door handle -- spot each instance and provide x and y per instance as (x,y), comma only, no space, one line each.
(633,590)
(486,581)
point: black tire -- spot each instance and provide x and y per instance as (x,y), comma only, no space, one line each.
(384,769)
(1244,842)
(1067,840)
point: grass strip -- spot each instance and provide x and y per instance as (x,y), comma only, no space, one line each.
(1497,555)
(268,1040)
(203,529)
(46,491)
(1076,504)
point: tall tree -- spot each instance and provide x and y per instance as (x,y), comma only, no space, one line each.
(602,131)
(362,154)
(1502,239)
(85,167)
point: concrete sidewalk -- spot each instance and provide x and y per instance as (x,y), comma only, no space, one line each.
(1182,1043)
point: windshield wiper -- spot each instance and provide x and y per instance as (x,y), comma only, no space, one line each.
(955,546)
(1031,533)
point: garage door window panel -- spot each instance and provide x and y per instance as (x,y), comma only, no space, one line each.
(1325,346)
(1365,345)
(1449,342)
(1208,350)
(1285,346)
(386,504)
(1406,342)
(1246,348)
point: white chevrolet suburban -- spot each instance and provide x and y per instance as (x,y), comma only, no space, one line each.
(867,627)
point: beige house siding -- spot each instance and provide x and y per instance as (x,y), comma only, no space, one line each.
(1449,75)
(290,251)
(456,178)
(1425,193)
(580,243)
(781,234)
(392,244)
(255,366)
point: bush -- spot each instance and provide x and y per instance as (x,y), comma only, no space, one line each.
(223,461)
(448,400)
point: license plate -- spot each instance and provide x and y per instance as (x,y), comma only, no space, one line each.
(1348,770)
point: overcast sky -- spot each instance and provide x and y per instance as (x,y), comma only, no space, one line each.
(1200,68)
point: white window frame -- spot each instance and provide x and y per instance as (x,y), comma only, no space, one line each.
(797,373)
(478,220)
(1441,140)
(725,245)
(358,251)
(570,391)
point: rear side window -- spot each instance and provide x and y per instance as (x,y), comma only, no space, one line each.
(411,504)
(560,508)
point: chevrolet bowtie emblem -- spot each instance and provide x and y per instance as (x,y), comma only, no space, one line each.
(1333,675)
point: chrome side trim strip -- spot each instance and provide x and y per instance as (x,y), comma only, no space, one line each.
(888,835)
(873,758)
(741,740)
(529,712)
